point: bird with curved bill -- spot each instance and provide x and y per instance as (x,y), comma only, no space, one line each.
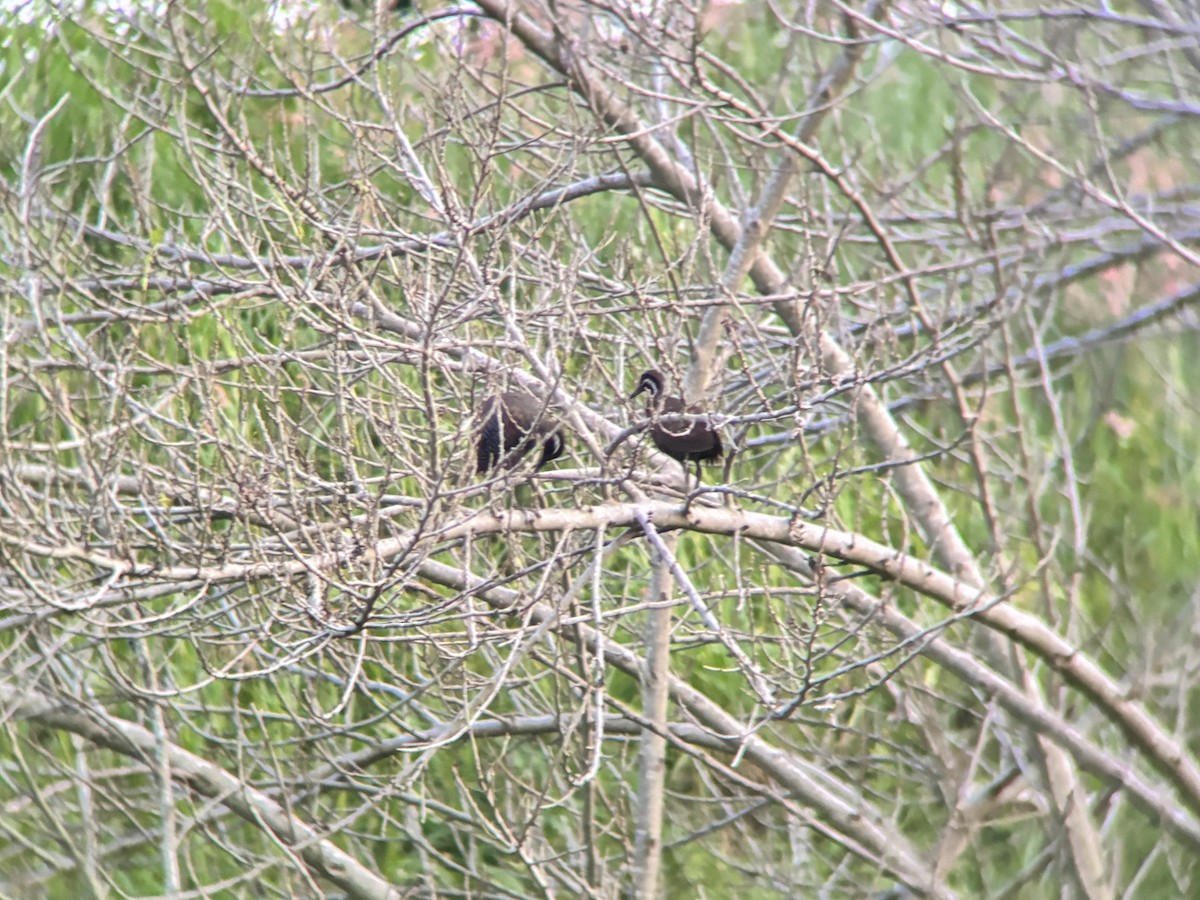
(675,427)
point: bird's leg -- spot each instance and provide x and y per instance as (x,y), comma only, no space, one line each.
(687,479)
(496,496)
(688,497)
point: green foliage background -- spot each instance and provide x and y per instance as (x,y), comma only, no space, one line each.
(252,394)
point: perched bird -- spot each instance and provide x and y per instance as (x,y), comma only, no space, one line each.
(394,6)
(672,427)
(508,427)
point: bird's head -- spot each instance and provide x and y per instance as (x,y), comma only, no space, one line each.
(552,448)
(651,382)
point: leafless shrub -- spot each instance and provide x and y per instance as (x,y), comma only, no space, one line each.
(264,629)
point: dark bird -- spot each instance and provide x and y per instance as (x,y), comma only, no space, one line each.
(509,425)
(673,430)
